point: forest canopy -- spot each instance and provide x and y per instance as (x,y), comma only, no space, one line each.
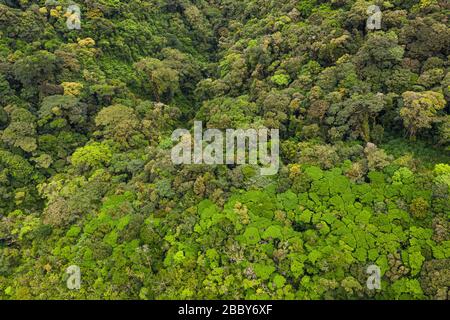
(86,178)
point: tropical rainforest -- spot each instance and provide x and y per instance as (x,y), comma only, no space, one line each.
(86,178)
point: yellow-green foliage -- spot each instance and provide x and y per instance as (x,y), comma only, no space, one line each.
(86,177)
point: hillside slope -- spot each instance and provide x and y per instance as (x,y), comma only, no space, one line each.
(86,177)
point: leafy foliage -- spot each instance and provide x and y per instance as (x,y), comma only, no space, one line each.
(86,177)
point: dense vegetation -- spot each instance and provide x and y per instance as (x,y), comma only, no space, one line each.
(85,171)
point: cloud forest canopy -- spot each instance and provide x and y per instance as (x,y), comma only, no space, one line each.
(86,179)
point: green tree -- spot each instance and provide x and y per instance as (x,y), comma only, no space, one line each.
(158,78)
(420,110)
(21,131)
(118,122)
